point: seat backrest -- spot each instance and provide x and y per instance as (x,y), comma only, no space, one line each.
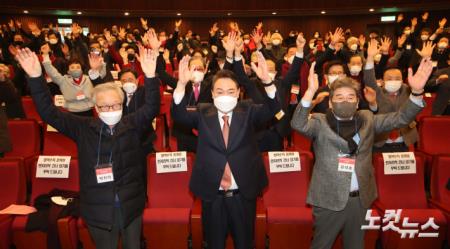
(288,189)
(434,134)
(168,189)
(426,112)
(440,175)
(160,142)
(30,109)
(25,137)
(41,186)
(402,190)
(300,142)
(56,143)
(12,178)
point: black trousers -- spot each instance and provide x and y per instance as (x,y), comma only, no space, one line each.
(108,239)
(224,215)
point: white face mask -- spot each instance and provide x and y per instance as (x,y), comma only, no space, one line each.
(129,87)
(407,32)
(424,37)
(311,46)
(354,47)
(332,78)
(225,103)
(53,41)
(442,45)
(276,42)
(110,118)
(246,42)
(213,49)
(290,59)
(377,57)
(272,76)
(392,86)
(197,76)
(355,69)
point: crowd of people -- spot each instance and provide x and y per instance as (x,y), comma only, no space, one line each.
(248,87)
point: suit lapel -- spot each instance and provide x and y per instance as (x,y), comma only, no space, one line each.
(212,121)
(237,122)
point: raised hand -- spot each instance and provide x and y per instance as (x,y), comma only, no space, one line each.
(370,95)
(184,73)
(266,38)
(414,22)
(300,42)
(320,97)
(372,49)
(95,61)
(261,70)
(144,23)
(213,29)
(417,81)
(29,62)
(427,50)
(425,15)
(65,49)
(229,43)
(153,40)
(362,40)
(259,26)
(385,45)
(178,24)
(401,40)
(166,55)
(147,58)
(336,36)
(442,22)
(257,37)
(313,79)
(122,33)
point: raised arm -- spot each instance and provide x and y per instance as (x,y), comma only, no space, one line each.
(179,112)
(64,122)
(293,73)
(408,112)
(300,120)
(51,71)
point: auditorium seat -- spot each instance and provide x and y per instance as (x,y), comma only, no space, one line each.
(30,109)
(26,142)
(160,144)
(300,142)
(406,192)
(426,112)
(289,218)
(57,144)
(38,239)
(13,191)
(440,195)
(434,134)
(166,218)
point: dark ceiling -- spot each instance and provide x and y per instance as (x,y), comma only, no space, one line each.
(211,8)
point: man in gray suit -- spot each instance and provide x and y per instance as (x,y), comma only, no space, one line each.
(343,186)
(390,98)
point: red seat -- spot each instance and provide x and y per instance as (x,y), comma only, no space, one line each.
(434,135)
(13,191)
(426,112)
(407,192)
(26,141)
(30,109)
(166,218)
(288,215)
(440,195)
(38,239)
(300,142)
(160,143)
(56,143)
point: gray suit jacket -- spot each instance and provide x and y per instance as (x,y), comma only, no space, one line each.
(330,188)
(386,105)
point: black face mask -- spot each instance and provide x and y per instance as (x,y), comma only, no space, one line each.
(131,57)
(18,43)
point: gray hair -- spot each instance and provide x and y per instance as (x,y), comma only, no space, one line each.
(110,86)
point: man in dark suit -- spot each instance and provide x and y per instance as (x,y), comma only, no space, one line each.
(134,99)
(197,90)
(228,173)
(440,83)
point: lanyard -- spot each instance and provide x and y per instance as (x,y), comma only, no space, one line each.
(99,148)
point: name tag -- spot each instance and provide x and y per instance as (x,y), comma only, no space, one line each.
(295,89)
(346,163)
(434,63)
(279,115)
(104,173)
(408,46)
(80,96)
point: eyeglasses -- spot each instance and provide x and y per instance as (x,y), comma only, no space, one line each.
(105,108)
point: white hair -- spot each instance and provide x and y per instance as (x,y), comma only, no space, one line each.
(110,86)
